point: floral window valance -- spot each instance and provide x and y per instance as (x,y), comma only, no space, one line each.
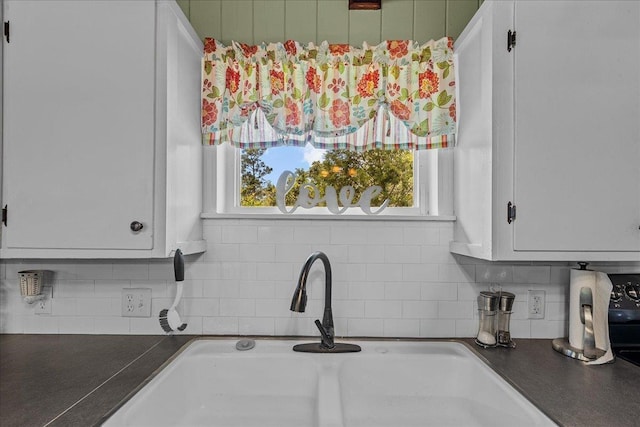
(398,94)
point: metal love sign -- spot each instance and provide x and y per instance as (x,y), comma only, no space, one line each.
(309,197)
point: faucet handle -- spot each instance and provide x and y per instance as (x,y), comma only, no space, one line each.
(327,340)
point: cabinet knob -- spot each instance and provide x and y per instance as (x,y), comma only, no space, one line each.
(136,226)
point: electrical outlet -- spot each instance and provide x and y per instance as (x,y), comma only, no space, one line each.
(43,306)
(536,304)
(136,302)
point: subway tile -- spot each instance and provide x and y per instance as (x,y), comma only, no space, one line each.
(40,324)
(531,274)
(549,329)
(223,252)
(99,306)
(366,290)
(556,311)
(436,255)
(420,309)
(191,288)
(348,309)
(399,254)
(262,252)
(446,235)
(111,325)
(94,270)
(272,308)
(275,234)
(420,272)
(220,288)
(206,271)
(158,289)
(292,253)
(233,271)
(456,273)
(194,326)
(401,328)
(290,326)
(559,275)
(349,272)
(274,271)
(340,290)
(498,273)
(384,272)
(220,325)
(366,254)
(202,307)
(73,288)
(383,309)
(386,236)
(421,236)
(365,327)
(130,270)
(437,328)
(256,290)
(110,288)
(256,326)
(162,269)
(64,306)
(466,328)
(146,326)
(348,235)
(402,291)
(455,309)
(237,307)
(12,323)
(239,234)
(522,329)
(439,291)
(311,235)
(76,325)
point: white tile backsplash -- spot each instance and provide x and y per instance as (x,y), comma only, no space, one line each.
(390,278)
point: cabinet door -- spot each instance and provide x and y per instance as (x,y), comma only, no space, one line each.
(78,125)
(577,126)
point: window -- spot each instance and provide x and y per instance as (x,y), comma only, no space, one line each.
(383,102)
(242,182)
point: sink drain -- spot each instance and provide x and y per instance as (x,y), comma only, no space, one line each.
(244,345)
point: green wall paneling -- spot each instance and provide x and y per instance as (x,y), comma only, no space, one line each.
(397,20)
(364,25)
(255,21)
(205,18)
(429,21)
(237,21)
(300,20)
(268,21)
(333,21)
(459,13)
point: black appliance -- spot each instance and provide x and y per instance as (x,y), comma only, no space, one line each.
(624,317)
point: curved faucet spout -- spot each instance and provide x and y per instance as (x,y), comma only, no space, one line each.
(299,300)
(299,303)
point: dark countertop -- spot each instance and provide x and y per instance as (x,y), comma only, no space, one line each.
(73,380)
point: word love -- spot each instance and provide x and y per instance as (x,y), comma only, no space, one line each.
(309,196)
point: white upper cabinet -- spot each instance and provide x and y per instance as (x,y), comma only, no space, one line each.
(550,124)
(101,130)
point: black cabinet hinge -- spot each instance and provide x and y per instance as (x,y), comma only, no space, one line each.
(4,215)
(6,30)
(511,40)
(511,212)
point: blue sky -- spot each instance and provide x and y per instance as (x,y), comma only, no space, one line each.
(290,158)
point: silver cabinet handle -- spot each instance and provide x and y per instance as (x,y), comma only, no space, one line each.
(136,226)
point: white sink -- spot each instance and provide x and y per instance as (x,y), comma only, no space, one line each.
(389,383)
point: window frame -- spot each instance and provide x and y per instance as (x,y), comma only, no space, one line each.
(433,190)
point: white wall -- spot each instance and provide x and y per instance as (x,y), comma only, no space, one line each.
(390,278)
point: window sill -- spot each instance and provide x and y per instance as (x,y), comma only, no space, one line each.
(332,217)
